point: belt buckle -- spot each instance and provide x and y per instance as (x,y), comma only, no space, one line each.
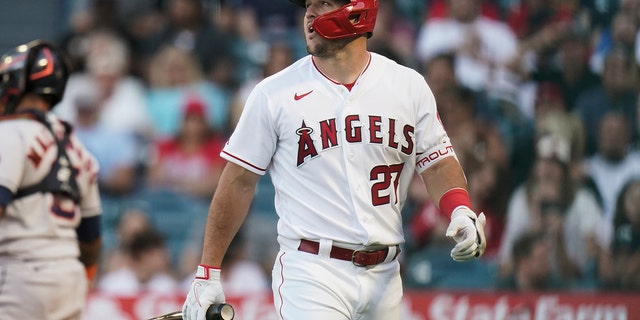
(370,249)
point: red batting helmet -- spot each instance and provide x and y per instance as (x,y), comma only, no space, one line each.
(354,18)
(38,67)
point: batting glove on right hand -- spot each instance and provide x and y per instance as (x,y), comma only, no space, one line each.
(206,289)
(467,230)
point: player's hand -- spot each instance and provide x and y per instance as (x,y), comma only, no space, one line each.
(467,230)
(206,289)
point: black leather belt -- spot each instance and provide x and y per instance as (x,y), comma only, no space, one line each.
(365,257)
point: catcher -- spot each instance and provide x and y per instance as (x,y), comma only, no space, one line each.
(49,199)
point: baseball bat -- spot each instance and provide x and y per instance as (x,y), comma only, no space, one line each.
(221,311)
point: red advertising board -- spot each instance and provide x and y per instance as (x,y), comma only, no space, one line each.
(512,306)
(417,305)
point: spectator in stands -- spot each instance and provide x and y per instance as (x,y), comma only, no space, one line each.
(440,73)
(489,190)
(599,14)
(174,75)
(622,32)
(81,25)
(618,92)
(552,117)
(141,21)
(118,170)
(146,269)
(470,137)
(250,45)
(280,56)
(86,18)
(626,241)
(614,163)
(631,6)
(179,163)
(189,27)
(393,36)
(529,17)
(120,97)
(567,66)
(548,99)
(552,202)
(532,267)
(482,47)
(132,221)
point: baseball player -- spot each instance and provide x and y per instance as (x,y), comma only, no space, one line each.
(342,132)
(49,200)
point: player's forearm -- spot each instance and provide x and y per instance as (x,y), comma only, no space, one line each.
(227,212)
(442,177)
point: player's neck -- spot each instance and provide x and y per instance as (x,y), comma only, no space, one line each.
(33,102)
(346,66)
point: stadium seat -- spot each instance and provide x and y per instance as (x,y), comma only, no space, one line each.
(176,216)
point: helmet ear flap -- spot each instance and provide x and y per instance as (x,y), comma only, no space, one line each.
(8,100)
(11,83)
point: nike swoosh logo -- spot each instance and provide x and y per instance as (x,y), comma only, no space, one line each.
(298,97)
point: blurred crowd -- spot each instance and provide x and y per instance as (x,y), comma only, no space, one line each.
(539,97)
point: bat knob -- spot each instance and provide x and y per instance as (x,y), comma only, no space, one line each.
(220,311)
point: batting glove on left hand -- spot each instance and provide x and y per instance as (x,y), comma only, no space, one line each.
(206,289)
(467,230)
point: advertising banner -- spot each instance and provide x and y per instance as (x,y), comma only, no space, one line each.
(417,305)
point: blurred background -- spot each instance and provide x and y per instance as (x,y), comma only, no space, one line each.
(539,97)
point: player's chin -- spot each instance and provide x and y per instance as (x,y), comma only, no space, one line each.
(313,48)
(320,48)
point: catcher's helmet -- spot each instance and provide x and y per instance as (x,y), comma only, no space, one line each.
(354,18)
(38,67)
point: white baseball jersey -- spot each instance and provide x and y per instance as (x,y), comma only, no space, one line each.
(40,226)
(341,161)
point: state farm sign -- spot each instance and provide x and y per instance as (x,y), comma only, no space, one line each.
(417,305)
(516,306)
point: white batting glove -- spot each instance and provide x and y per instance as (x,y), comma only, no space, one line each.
(206,289)
(467,230)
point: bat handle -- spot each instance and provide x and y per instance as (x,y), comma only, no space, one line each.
(220,311)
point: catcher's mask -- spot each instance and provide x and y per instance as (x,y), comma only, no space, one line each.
(354,18)
(38,67)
